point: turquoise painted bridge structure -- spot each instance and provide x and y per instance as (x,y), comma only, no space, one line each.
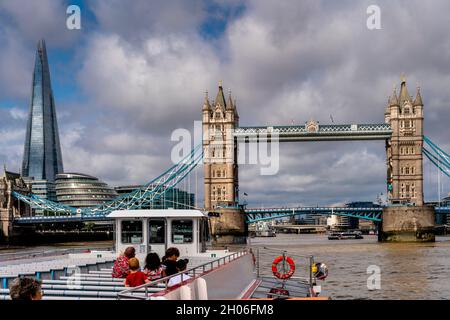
(156,189)
(373,214)
(402,132)
(252,215)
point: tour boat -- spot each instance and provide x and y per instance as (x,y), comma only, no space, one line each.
(211,274)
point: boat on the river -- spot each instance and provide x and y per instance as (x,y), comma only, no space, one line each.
(261,229)
(345,235)
(211,274)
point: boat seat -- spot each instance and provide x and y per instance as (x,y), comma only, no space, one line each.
(88,288)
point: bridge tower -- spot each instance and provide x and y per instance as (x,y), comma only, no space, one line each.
(219,119)
(10,207)
(410,219)
(404,149)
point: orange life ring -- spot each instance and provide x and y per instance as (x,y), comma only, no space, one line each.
(280,275)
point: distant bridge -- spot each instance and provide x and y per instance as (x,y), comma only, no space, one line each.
(300,227)
(255,215)
(373,214)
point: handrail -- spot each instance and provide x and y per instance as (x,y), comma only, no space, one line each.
(231,257)
(312,279)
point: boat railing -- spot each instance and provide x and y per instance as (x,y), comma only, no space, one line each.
(196,271)
(304,270)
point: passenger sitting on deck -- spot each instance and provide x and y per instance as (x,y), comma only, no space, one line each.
(181,266)
(121,268)
(136,277)
(25,289)
(169,261)
(153,268)
(171,254)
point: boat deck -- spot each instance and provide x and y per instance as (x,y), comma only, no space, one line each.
(79,276)
(273,288)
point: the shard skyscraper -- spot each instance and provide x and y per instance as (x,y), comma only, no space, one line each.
(42,159)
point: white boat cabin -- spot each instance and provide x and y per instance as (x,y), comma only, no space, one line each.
(156,230)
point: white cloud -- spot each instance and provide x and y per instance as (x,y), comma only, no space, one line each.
(160,83)
(284,61)
(18,114)
(11,135)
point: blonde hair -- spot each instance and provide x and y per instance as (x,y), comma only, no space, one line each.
(133,263)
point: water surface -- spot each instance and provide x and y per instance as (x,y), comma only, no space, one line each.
(408,271)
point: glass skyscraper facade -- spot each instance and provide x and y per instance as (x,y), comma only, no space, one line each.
(42,158)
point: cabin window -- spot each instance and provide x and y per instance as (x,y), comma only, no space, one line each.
(182,231)
(204,231)
(132,231)
(157,231)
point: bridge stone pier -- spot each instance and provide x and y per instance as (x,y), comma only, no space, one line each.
(408,224)
(406,219)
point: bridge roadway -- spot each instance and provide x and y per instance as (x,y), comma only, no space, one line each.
(252,215)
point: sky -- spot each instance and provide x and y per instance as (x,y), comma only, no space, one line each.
(136,71)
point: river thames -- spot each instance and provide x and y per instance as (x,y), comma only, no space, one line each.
(408,271)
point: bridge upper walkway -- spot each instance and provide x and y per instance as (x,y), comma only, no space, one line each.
(316,132)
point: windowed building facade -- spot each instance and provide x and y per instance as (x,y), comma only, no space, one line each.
(81,190)
(42,159)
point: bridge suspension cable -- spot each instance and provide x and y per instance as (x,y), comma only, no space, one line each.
(133,200)
(440,158)
(438,150)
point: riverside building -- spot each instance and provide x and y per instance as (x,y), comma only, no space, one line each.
(81,190)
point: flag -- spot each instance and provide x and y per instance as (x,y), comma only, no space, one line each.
(245,194)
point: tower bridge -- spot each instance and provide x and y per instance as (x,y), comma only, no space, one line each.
(406,219)
(402,133)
